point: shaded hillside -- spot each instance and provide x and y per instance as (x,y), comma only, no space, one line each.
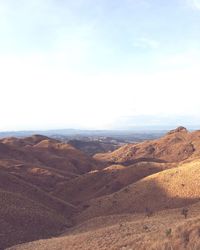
(43,161)
(27,213)
(94,147)
(102,182)
(13,184)
(175,146)
(43,150)
(171,188)
(145,200)
(29,169)
(24,220)
(163,231)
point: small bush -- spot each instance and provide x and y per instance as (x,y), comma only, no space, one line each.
(146,228)
(126,190)
(184,212)
(168,232)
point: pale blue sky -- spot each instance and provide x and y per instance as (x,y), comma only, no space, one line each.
(86,63)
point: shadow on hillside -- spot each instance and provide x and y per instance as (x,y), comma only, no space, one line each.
(146,196)
(101,183)
(151,196)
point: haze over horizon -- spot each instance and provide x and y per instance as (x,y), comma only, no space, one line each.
(99,64)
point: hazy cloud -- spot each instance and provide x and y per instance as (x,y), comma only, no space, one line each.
(146,43)
(194,3)
(70,60)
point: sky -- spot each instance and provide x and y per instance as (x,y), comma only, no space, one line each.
(96,64)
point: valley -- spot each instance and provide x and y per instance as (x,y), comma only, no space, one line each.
(63,195)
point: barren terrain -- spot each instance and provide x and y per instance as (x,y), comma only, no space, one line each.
(140,196)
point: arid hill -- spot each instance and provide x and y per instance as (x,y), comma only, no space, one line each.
(175,146)
(43,161)
(164,230)
(29,169)
(141,196)
(172,188)
(94,147)
(109,180)
(28,213)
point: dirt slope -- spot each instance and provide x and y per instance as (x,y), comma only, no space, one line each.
(148,199)
(175,146)
(165,230)
(171,188)
(93,147)
(29,169)
(23,220)
(28,213)
(43,161)
(103,182)
(12,184)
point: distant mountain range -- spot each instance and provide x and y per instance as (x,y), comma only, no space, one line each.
(79,132)
(125,125)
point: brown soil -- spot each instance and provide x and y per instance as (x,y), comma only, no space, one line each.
(141,196)
(175,146)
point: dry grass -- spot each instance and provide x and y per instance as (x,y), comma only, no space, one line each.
(131,205)
(28,213)
(103,182)
(42,161)
(128,232)
(23,220)
(175,146)
(171,188)
(28,168)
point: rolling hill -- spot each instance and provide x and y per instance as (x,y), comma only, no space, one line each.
(28,213)
(172,188)
(43,161)
(106,181)
(140,196)
(29,169)
(176,146)
(164,230)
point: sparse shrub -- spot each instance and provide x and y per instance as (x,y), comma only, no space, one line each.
(146,228)
(184,212)
(168,232)
(120,225)
(126,190)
